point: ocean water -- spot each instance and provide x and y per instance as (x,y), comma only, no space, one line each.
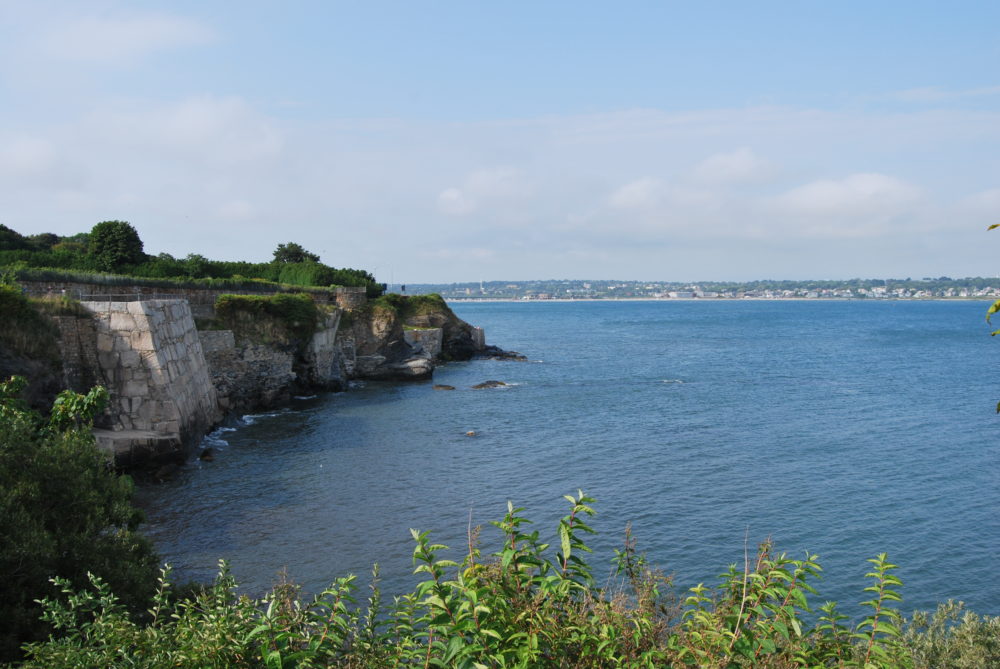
(845,429)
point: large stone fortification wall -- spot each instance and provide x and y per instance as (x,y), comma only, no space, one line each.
(201,300)
(151,361)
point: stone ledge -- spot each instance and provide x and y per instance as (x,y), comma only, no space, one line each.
(131,448)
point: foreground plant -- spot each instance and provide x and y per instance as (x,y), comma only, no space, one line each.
(63,513)
(528,604)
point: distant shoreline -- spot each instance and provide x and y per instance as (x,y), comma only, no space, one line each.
(466,300)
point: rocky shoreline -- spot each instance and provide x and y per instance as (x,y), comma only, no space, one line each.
(172,378)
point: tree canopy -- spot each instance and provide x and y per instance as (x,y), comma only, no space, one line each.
(114,244)
(292,252)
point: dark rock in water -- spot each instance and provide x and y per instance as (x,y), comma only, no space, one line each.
(207,455)
(470,433)
(443,386)
(488,384)
(497,353)
(166,472)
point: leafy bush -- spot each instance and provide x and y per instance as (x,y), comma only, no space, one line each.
(115,244)
(529,604)
(63,513)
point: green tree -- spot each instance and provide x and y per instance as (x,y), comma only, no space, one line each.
(114,244)
(63,513)
(11,240)
(292,252)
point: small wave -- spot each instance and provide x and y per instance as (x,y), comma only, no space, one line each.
(251,418)
(214,438)
(671,381)
(304,397)
(353,385)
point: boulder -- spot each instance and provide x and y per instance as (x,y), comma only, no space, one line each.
(488,384)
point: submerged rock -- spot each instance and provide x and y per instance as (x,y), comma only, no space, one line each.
(488,384)
(497,353)
(443,386)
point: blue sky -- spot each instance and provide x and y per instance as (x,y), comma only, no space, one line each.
(454,141)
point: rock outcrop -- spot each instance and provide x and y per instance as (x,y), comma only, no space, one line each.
(373,346)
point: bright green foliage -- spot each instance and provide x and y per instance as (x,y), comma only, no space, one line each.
(407,306)
(948,640)
(63,513)
(297,314)
(116,247)
(72,410)
(525,605)
(115,244)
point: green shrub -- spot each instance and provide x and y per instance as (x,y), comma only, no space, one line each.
(528,604)
(63,513)
(114,245)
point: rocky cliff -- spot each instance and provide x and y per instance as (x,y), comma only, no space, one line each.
(169,382)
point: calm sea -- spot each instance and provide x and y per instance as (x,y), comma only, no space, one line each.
(844,429)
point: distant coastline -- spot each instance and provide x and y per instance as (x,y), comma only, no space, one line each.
(977,298)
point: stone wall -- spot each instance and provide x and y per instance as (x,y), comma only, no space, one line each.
(78,352)
(250,374)
(351,297)
(427,340)
(151,360)
(322,364)
(478,338)
(201,300)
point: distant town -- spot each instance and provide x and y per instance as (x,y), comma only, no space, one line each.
(878,289)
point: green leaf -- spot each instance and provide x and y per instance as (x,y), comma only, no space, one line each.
(564,540)
(993,227)
(992,310)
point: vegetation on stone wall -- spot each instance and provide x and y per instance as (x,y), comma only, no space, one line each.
(24,329)
(408,306)
(252,315)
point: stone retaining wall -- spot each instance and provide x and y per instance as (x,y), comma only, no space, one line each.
(151,359)
(428,340)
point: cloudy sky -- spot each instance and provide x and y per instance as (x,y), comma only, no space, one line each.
(466,140)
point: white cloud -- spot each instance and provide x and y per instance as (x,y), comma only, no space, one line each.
(496,188)
(738,167)
(453,201)
(208,129)
(643,193)
(121,39)
(862,194)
